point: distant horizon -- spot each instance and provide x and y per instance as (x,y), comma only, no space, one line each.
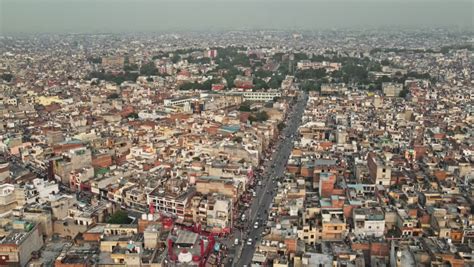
(147,16)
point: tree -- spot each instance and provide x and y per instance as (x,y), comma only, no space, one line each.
(132,115)
(244,107)
(7,77)
(300,56)
(375,66)
(149,69)
(237,139)
(94,60)
(281,126)
(262,73)
(175,58)
(275,81)
(113,96)
(311,85)
(385,62)
(130,67)
(119,217)
(260,84)
(262,116)
(202,60)
(199,86)
(311,74)
(259,116)
(404,93)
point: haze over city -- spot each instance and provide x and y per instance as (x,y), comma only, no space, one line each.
(89,16)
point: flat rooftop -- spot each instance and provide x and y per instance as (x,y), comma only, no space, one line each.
(186,238)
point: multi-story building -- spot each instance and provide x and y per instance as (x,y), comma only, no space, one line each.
(334,225)
(368,222)
(380,171)
(392,89)
(11,197)
(170,201)
(261,96)
(4,171)
(19,242)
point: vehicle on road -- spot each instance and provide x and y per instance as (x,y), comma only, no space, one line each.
(249,241)
(255,225)
(236,241)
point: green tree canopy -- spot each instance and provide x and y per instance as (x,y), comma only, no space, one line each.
(245,107)
(119,217)
(6,77)
(113,96)
(259,116)
(149,69)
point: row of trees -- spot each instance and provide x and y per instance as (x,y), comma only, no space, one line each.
(198,86)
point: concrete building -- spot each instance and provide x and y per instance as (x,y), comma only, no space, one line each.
(170,201)
(11,197)
(379,170)
(392,89)
(368,222)
(18,244)
(261,96)
(333,224)
(4,172)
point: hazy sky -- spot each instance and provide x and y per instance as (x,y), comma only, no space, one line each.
(17,16)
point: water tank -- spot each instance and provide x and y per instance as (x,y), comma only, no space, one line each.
(150,217)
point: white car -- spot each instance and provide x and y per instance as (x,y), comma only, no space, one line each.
(249,241)
(255,225)
(236,241)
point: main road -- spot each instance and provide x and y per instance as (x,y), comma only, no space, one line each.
(275,167)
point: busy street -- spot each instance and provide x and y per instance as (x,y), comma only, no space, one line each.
(254,218)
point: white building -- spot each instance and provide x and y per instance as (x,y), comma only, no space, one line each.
(392,89)
(369,222)
(261,96)
(178,101)
(40,191)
